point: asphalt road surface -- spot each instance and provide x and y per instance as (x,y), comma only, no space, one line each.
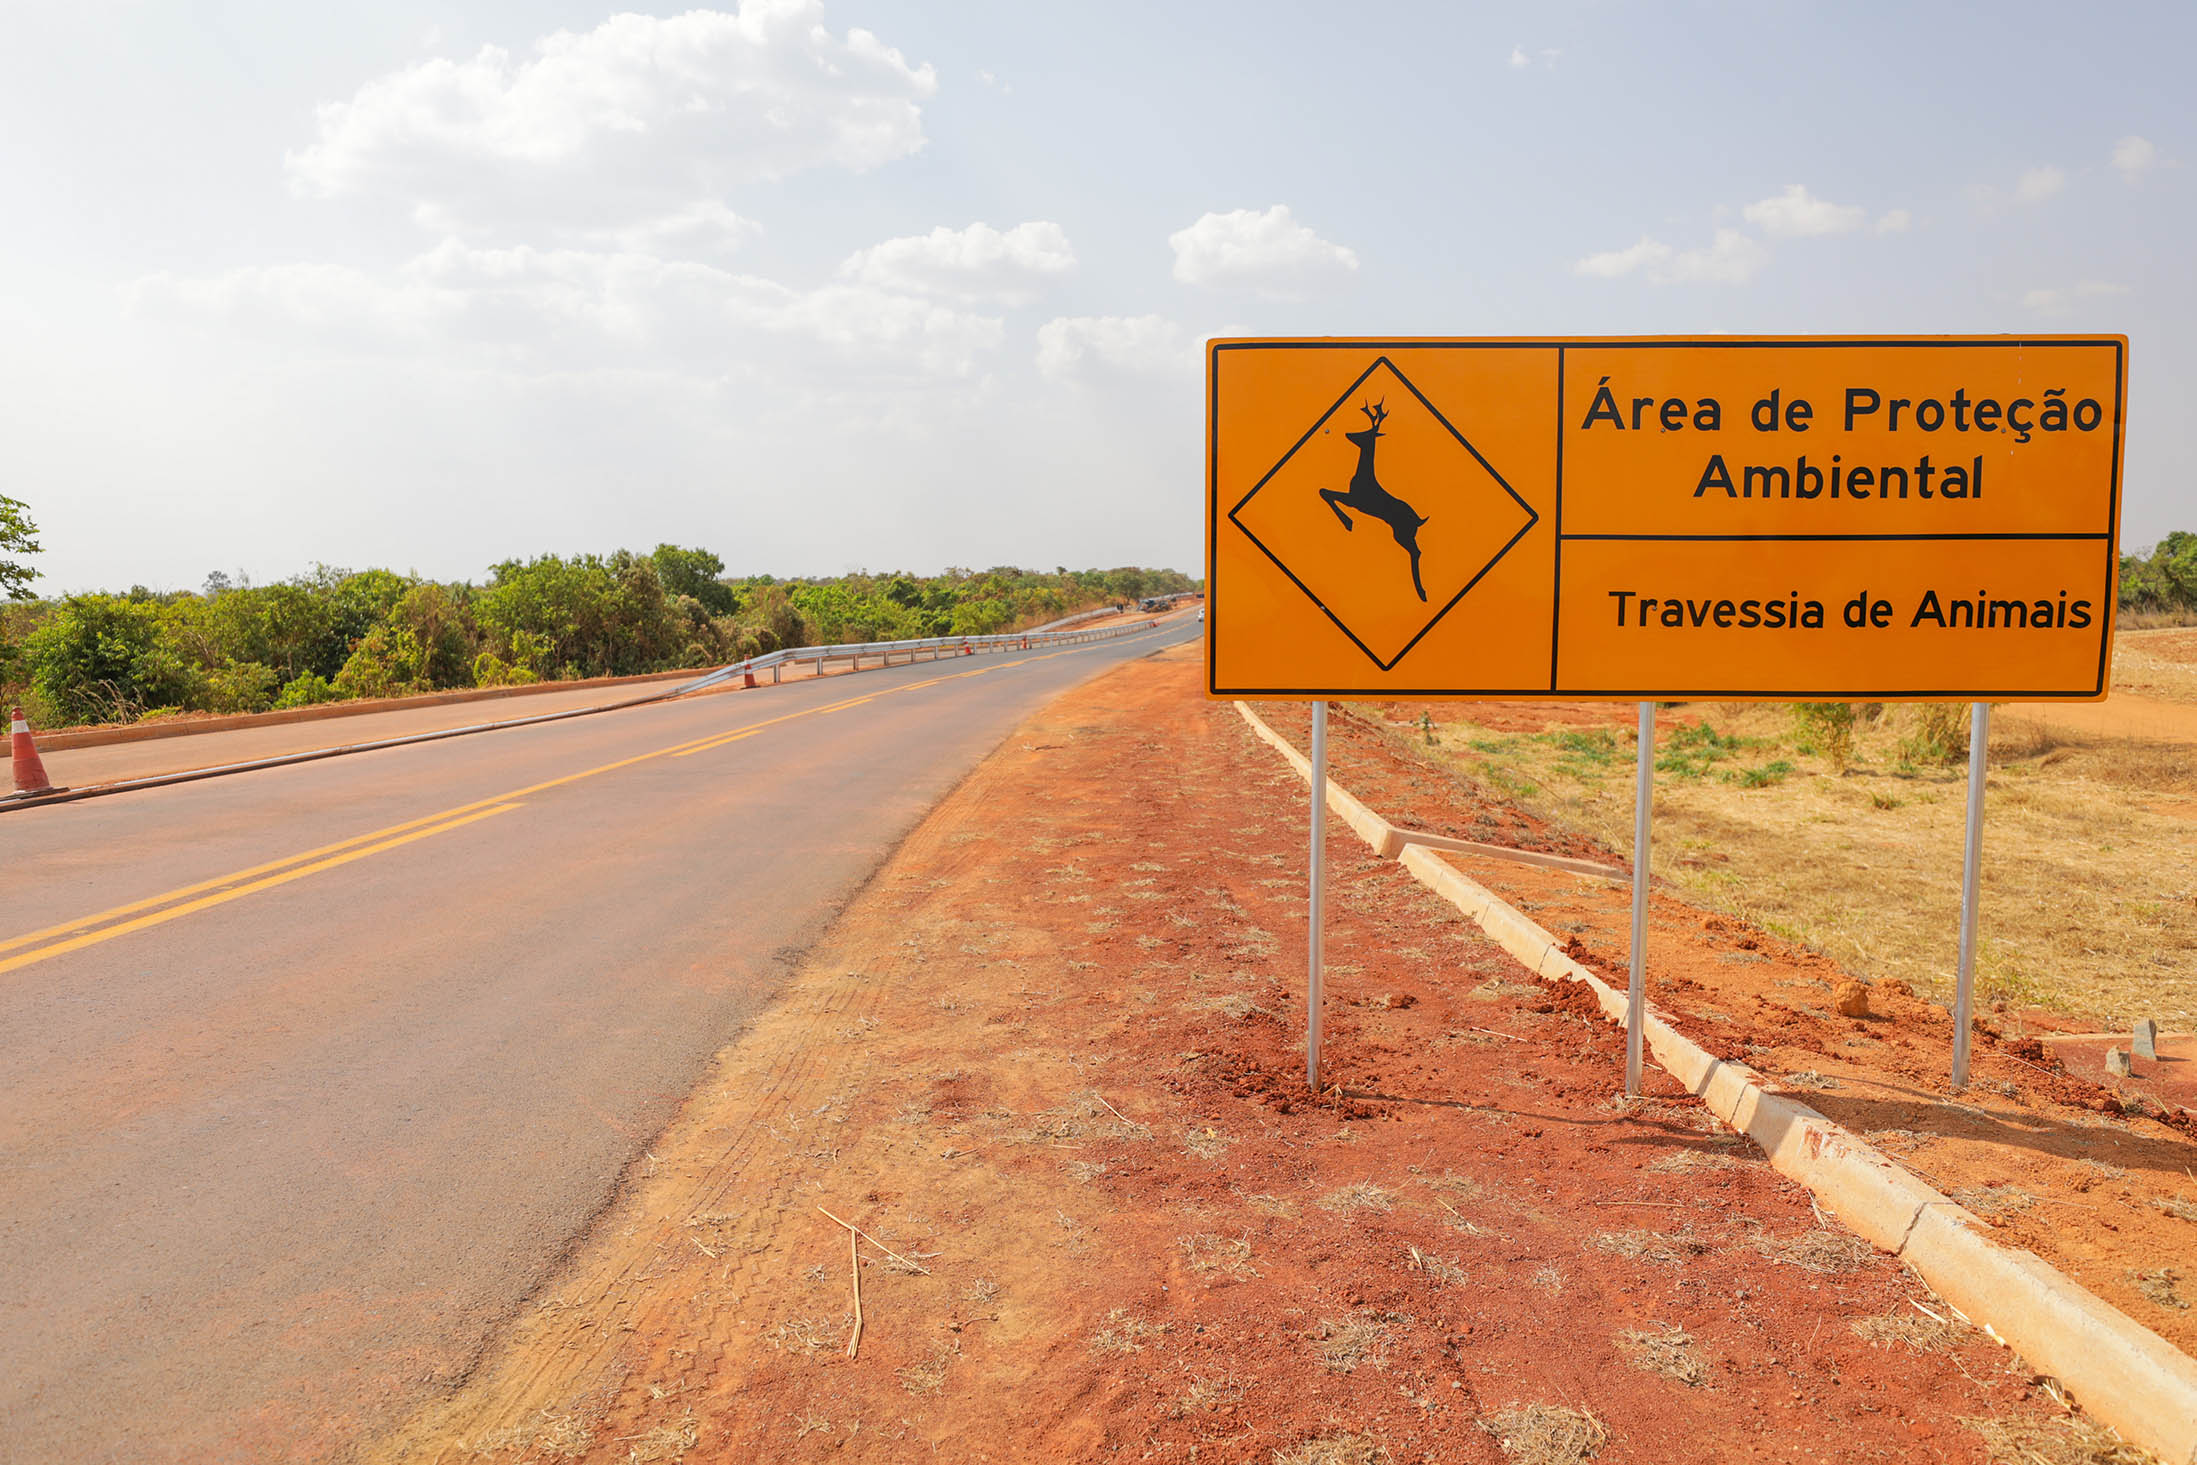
(311,1075)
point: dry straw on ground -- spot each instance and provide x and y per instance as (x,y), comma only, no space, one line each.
(2059,1442)
(1362,1196)
(1229,1256)
(1546,1434)
(543,1435)
(1121,1333)
(1925,1333)
(1819,1250)
(1359,1339)
(1334,1449)
(1676,1249)
(1671,1352)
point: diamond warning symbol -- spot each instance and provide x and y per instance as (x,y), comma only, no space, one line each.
(1384,514)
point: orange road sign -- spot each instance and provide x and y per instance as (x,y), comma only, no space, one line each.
(1774,518)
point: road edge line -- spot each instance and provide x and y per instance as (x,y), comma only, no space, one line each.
(2125,1374)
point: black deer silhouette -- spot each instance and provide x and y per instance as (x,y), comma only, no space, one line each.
(1368,497)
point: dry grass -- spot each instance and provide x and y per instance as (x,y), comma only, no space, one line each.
(1994,1200)
(1227,1255)
(809,1334)
(1444,1271)
(1121,1333)
(1235,1005)
(1685,1161)
(1334,1449)
(665,1441)
(1910,1329)
(1547,1434)
(928,1375)
(2158,1287)
(1549,1279)
(1210,1396)
(2175,1206)
(1664,1350)
(2057,1442)
(1271,1205)
(1085,1117)
(544,1435)
(1343,1344)
(1362,1196)
(2086,900)
(1822,1251)
(1675,1249)
(1204,1142)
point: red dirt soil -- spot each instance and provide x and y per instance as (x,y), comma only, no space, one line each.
(2094,1175)
(1052,1058)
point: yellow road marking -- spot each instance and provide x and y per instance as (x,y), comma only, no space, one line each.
(80,932)
(719,743)
(108,933)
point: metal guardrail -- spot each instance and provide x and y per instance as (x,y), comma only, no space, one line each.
(930,648)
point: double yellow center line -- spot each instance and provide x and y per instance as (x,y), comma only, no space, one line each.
(155,910)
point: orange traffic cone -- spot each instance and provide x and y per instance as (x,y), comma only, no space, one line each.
(30,771)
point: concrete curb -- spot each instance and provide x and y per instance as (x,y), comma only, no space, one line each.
(2125,1374)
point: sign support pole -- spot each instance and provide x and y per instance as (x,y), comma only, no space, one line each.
(1637,981)
(1316,906)
(1964,987)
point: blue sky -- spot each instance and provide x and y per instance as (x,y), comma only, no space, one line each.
(835,285)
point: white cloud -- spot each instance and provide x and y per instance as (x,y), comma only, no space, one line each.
(1798,214)
(634,118)
(1519,60)
(2039,184)
(534,310)
(1732,258)
(1894,221)
(1615,263)
(2133,157)
(699,231)
(2061,301)
(1268,253)
(1138,343)
(978,262)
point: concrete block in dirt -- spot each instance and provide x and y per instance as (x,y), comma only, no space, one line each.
(2116,1062)
(2147,1039)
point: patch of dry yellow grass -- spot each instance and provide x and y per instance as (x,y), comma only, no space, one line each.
(2088,901)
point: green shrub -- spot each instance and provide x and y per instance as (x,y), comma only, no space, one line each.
(1938,733)
(307,690)
(387,663)
(99,658)
(242,686)
(1827,728)
(491,670)
(1694,751)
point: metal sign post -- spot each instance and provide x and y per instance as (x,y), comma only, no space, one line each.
(1964,987)
(1316,907)
(1637,980)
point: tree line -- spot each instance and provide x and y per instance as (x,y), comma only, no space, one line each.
(2163,578)
(334,634)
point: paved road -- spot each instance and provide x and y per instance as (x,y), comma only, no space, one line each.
(310,1075)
